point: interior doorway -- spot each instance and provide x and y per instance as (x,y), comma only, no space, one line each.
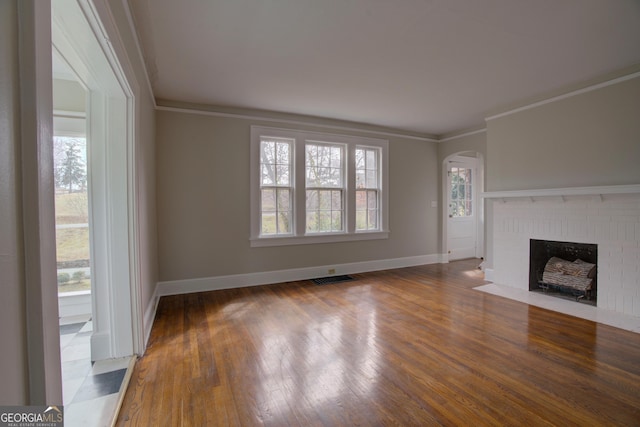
(463,213)
(78,40)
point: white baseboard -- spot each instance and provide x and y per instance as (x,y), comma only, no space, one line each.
(150,315)
(100,346)
(176,287)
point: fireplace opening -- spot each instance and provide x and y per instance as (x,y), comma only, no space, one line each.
(564,269)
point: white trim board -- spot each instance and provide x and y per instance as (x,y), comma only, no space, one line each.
(260,118)
(462,135)
(177,287)
(565,96)
(150,315)
(560,192)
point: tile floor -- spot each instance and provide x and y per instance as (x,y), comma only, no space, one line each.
(572,308)
(91,391)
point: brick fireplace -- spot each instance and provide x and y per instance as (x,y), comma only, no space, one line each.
(608,217)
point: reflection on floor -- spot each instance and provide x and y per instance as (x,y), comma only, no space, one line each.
(91,391)
(572,308)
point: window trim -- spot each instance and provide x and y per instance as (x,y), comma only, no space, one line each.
(299,235)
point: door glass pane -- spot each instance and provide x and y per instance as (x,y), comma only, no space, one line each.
(461,192)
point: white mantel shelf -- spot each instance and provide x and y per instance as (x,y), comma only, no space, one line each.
(563,192)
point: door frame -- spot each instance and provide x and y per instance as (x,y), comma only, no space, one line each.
(478,202)
(82,39)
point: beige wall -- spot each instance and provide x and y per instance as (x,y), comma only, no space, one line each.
(203,203)
(589,139)
(13,355)
(476,142)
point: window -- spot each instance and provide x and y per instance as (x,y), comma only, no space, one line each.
(367,188)
(324,167)
(275,186)
(310,187)
(461,192)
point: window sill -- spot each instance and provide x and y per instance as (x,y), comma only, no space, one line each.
(258,242)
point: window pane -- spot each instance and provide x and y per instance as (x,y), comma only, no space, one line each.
(373,220)
(282,174)
(268,225)
(312,222)
(268,200)
(336,200)
(361,220)
(324,221)
(284,199)
(336,157)
(361,200)
(283,155)
(336,220)
(284,222)
(359,158)
(372,199)
(312,200)
(311,155)
(323,165)
(372,179)
(371,160)
(461,191)
(268,175)
(324,155)
(267,152)
(325,200)
(360,179)
(324,177)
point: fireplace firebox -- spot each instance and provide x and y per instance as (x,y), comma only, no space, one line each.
(542,253)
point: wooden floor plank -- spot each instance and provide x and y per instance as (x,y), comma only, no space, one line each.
(413,346)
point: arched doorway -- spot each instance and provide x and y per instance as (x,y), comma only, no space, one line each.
(463,208)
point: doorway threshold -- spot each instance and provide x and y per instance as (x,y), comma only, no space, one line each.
(93,391)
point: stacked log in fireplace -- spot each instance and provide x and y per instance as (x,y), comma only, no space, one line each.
(576,276)
(564,268)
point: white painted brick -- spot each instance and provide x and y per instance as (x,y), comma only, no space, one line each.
(636,307)
(602,298)
(612,223)
(628,231)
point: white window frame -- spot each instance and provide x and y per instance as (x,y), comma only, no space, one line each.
(368,189)
(299,235)
(275,186)
(341,188)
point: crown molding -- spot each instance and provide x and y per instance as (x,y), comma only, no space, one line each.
(300,122)
(570,94)
(462,135)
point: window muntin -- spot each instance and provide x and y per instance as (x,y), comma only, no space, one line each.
(276,191)
(331,189)
(367,188)
(324,180)
(461,192)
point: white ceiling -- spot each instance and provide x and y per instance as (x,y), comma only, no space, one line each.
(426,66)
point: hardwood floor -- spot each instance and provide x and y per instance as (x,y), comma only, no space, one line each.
(406,347)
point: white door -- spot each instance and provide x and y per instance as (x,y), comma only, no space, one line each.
(462,215)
